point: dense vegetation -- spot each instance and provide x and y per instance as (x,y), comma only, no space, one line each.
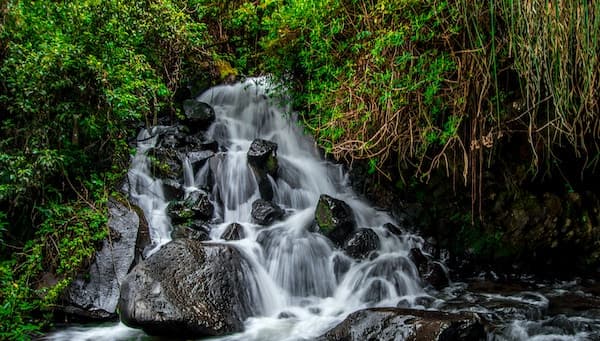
(414,88)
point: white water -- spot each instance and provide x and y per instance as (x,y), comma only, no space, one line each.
(147,191)
(297,265)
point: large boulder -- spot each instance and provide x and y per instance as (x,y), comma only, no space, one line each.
(94,295)
(407,324)
(265,212)
(198,115)
(262,158)
(361,243)
(182,290)
(335,219)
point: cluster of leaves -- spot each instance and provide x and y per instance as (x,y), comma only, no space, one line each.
(374,78)
(76,79)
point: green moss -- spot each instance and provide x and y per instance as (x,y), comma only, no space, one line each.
(324,217)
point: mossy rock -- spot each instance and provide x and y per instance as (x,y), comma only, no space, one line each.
(335,219)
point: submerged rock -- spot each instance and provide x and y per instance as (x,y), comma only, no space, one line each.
(95,295)
(335,219)
(183,291)
(406,324)
(265,212)
(361,243)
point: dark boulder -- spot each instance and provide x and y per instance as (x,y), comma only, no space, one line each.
(182,290)
(421,261)
(94,295)
(406,324)
(234,231)
(172,189)
(432,272)
(262,158)
(361,243)
(335,219)
(196,206)
(198,115)
(265,212)
(436,275)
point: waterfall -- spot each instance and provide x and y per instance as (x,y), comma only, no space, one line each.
(298,264)
(146,191)
(301,285)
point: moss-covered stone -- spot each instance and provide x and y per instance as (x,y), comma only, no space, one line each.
(335,219)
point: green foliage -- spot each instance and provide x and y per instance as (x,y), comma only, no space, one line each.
(76,78)
(15,295)
(372,77)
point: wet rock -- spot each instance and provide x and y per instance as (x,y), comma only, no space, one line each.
(286,315)
(182,291)
(172,189)
(341,265)
(433,272)
(498,308)
(199,158)
(335,219)
(421,261)
(234,231)
(165,163)
(393,229)
(265,212)
(573,303)
(187,232)
(196,206)
(361,243)
(95,295)
(262,158)
(376,292)
(436,276)
(198,115)
(407,324)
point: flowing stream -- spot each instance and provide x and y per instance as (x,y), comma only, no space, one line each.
(298,272)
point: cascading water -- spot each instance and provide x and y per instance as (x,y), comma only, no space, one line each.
(299,265)
(147,191)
